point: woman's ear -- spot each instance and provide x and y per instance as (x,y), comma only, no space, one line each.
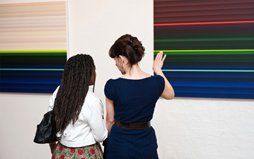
(123,60)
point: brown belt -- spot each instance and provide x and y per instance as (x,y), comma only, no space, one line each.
(142,125)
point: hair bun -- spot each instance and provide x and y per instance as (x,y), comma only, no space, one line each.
(128,46)
(137,46)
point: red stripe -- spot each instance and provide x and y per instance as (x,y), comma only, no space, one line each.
(204,23)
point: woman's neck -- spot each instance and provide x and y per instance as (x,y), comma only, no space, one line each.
(135,72)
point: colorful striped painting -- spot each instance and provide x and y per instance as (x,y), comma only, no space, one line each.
(209,46)
(32,46)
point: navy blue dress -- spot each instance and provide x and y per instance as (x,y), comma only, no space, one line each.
(134,102)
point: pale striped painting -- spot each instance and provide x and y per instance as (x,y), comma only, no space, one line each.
(32,46)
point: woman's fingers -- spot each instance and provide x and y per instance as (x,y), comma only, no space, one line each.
(159,56)
(164,58)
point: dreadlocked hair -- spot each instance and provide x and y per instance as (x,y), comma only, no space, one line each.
(78,72)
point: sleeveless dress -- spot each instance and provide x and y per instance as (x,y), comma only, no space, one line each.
(134,102)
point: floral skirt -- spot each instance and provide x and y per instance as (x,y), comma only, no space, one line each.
(87,152)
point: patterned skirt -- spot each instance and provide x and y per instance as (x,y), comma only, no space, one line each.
(87,152)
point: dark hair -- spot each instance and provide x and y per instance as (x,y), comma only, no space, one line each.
(127,46)
(78,72)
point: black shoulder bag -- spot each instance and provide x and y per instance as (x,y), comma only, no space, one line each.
(46,130)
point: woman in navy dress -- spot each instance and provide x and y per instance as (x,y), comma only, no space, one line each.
(130,102)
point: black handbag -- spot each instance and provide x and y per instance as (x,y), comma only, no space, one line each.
(46,130)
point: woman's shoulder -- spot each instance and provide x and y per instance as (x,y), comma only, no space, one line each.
(91,97)
(110,88)
(113,79)
(55,91)
(92,104)
(52,98)
(159,77)
(110,82)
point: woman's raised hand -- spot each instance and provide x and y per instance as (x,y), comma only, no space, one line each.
(158,62)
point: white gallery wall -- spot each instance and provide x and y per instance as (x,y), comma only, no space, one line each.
(94,25)
(187,128)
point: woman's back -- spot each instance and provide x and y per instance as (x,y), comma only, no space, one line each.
(82,132)
(78,112)
(134,100)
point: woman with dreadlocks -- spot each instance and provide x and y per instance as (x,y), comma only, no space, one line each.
(78,112)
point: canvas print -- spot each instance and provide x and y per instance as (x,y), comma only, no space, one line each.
(209,46)
(32,46)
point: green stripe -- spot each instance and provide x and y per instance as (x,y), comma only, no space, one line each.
(206,52)
(33,52)
(29,69)
(36,54)
(203,39)
(191,70)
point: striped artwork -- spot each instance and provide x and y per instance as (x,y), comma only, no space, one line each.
(209,46)
(32,46)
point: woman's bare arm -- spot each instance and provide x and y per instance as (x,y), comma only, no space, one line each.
(110,114)
(168,92)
